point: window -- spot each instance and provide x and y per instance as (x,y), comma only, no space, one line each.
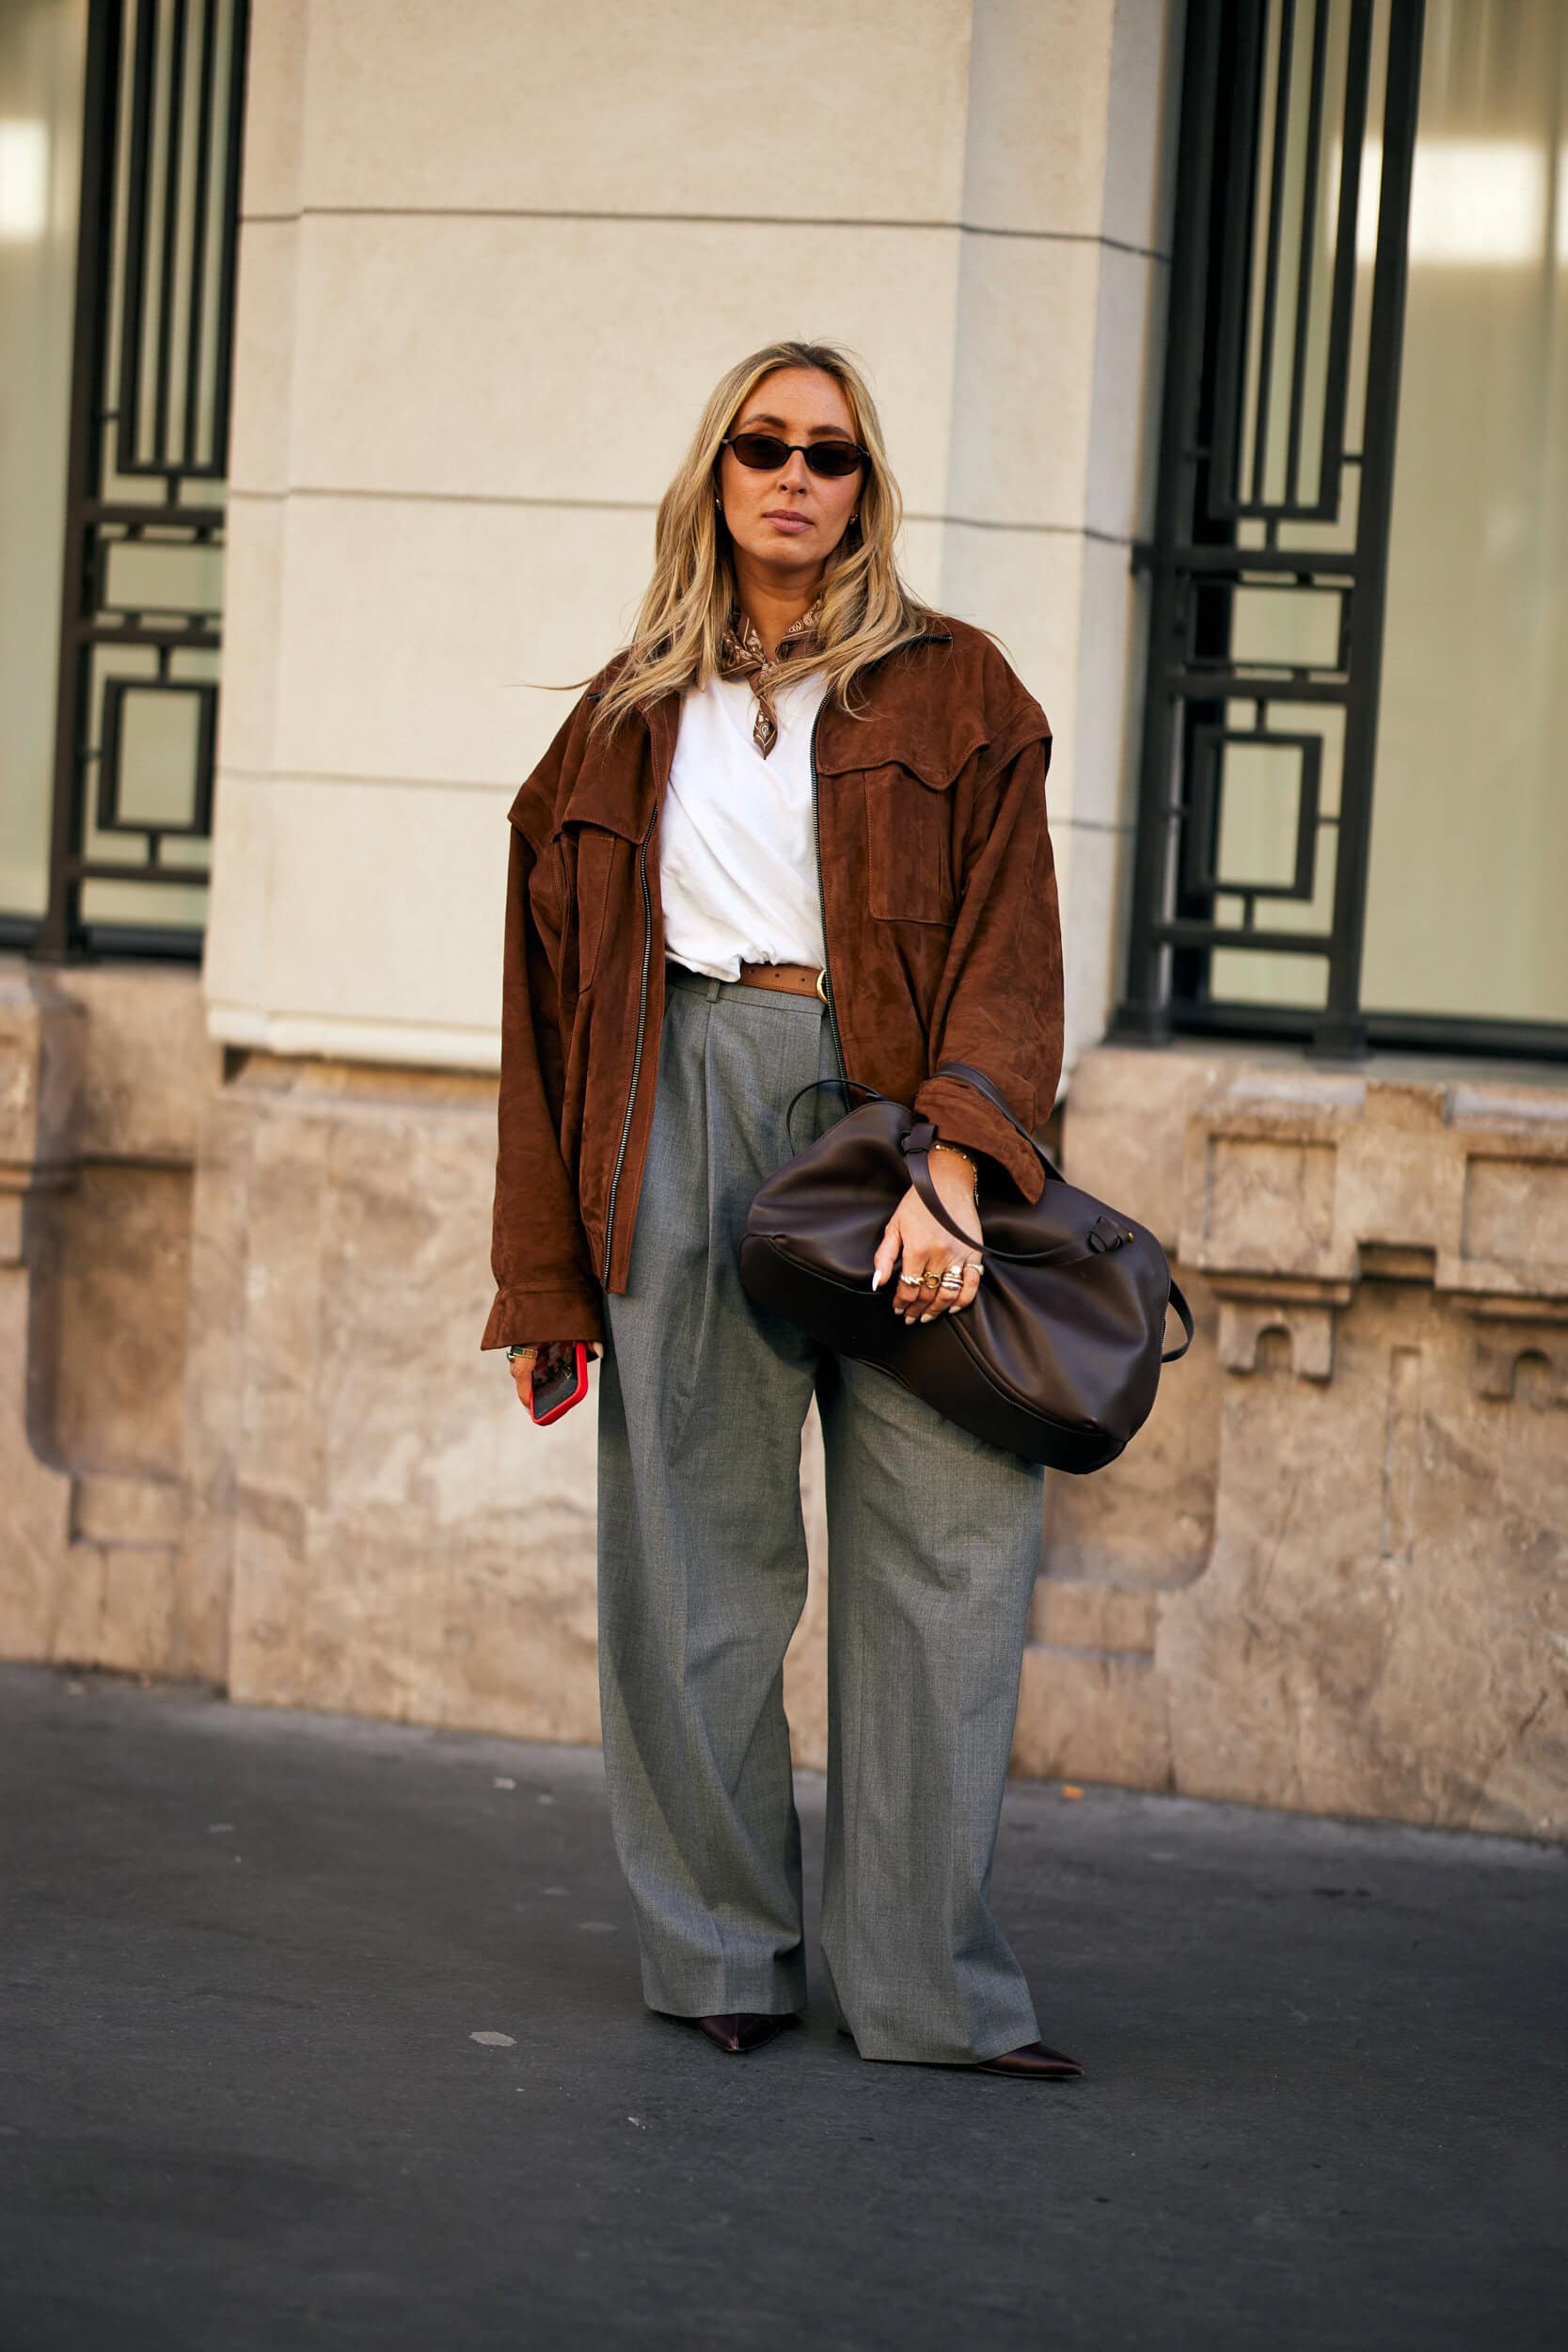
(119,169)
(1351,827)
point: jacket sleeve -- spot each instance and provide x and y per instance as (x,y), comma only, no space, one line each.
(546,1286)
(1000,1004)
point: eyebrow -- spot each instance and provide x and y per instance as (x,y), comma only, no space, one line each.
(813,432)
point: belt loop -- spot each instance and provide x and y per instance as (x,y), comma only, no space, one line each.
(712,987)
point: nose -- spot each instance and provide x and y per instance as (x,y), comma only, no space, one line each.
(794,476)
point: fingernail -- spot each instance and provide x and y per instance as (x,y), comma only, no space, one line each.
(876,1278)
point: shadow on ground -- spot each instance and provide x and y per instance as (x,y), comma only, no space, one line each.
(248,2103)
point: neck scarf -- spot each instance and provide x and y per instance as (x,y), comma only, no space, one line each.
(742,653)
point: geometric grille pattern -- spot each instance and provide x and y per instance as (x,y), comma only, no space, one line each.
(1268,561)
(136,730)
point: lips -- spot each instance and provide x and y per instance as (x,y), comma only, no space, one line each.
(786,520)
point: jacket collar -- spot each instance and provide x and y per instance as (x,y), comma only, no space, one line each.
(617,786)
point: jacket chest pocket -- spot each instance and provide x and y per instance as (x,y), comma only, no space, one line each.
(909,842)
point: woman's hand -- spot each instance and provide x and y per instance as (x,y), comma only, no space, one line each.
(916,1244)
(546,1354)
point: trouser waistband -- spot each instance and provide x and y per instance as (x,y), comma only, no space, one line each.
(679,975)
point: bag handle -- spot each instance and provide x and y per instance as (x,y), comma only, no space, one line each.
(993,1094)
(965,1070)
(1104,1233)
(809,1086)
(1177,1299)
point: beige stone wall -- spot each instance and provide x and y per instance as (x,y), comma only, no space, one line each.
(241,1434)
(492,257)
(1332,1572)
(389,1538)
(103,1076)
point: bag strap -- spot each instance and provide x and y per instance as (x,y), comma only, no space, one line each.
(1103,1234)
(993,1094)
(1178,1300)
(988,1086)
(811,1086)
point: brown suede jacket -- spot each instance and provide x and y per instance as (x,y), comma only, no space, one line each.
(940,918)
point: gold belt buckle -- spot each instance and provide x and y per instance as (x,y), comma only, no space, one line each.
(821,978)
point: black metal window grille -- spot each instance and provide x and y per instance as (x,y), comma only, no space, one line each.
(1275,482)
(141,613)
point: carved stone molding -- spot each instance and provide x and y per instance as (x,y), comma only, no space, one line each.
(1521,1349)
(1367,1433)
(1298,1185)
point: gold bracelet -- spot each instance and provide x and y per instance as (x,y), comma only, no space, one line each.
(937,1144)
(958,1148)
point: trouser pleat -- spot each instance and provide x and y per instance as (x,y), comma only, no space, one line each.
(933,1546)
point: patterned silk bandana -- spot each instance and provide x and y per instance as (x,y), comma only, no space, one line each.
(742,653)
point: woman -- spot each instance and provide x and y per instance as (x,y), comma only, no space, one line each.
(795,830)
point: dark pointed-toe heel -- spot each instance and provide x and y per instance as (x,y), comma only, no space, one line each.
(743,2030)
(1034,2058)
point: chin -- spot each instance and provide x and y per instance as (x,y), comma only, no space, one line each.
(784,553)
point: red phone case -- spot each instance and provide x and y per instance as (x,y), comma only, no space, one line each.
(574,1396)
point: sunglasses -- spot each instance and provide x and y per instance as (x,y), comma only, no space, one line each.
(766,453)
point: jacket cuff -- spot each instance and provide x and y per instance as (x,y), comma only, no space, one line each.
(961,1116)
(527,1318)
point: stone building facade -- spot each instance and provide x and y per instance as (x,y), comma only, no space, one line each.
(491,256)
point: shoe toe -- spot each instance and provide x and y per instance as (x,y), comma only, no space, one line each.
(743,2030)
(1032,2057)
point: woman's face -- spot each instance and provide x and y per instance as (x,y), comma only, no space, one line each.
(787,519)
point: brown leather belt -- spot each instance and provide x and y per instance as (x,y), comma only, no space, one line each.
(800,979)
(796,979)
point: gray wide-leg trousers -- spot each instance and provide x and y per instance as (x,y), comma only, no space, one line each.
(933,1544)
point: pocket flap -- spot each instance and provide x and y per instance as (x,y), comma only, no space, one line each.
(936,749)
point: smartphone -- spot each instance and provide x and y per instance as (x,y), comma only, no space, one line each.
(560,1381)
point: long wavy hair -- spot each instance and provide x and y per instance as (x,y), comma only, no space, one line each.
(867,612)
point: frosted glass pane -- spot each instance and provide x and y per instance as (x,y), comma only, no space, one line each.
(1469,857)
(42,49)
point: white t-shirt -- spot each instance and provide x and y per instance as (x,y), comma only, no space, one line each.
(737,847)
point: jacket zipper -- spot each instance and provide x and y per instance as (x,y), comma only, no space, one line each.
(637,1057)
(647,946)
(822,903)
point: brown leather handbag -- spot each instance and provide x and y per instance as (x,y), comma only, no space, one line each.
(1058,1356)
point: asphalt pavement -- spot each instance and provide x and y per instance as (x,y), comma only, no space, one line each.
(322,2032)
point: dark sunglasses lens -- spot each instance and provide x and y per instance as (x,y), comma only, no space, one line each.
(760,450)
(833,457)
(764,451)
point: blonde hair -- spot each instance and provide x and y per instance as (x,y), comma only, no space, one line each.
(867,612)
